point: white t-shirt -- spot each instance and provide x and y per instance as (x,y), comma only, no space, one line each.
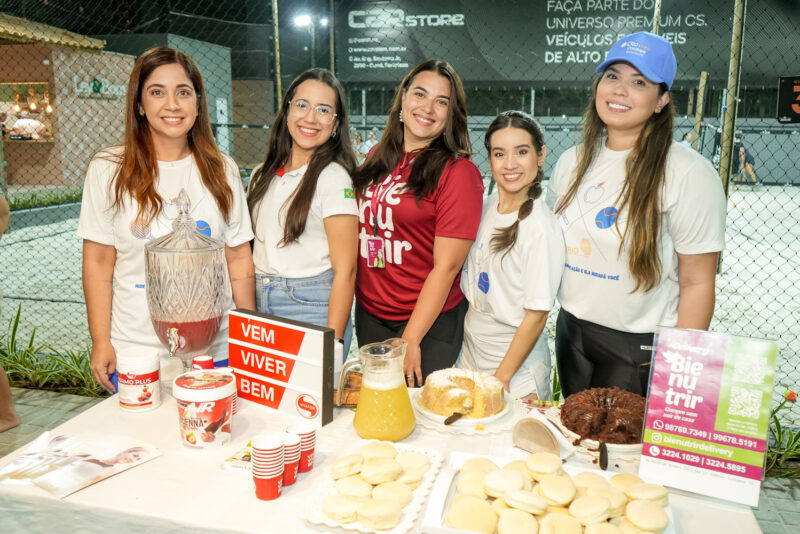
(597,285)
(528,276)
(309,255)
(99,222)
(499,290)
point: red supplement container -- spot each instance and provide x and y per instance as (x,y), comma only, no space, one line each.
(205,407)
(138,384)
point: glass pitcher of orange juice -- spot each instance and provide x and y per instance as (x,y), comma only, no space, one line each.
(384,408)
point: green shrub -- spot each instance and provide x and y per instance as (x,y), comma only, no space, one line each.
(38,199)
(42,367)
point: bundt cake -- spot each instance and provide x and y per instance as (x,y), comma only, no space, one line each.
(474,394)
(610,415)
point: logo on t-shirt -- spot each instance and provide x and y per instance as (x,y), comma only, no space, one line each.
(605,217)
(203,227)
(140,229)
(594,193)
(483,282)
(586,247)
(349,193)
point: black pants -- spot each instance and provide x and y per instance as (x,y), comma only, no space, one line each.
(440,347)
(589,355)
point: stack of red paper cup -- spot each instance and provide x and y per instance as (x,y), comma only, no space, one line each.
(291,458)
(308,439)
(267,465)
(204,361)
(234,403)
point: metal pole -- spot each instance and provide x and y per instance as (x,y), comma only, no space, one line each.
(363,107)
(729,111)
(312,27)
(533,100)
(698,110)
(330,38)
(276,36)
(656,15)
(3,176)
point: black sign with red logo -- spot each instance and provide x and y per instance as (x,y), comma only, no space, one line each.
(789,99)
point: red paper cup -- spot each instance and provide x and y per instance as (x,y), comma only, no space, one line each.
(303,428)
(268,489)
(306,460)
(267,448)
(269,463)
(266,469)
(267,442)
(291,440)
(262,456)
(270,473)
(291,455)
(204,361)
(290,472)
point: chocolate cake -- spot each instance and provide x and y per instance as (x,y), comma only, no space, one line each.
(609,415)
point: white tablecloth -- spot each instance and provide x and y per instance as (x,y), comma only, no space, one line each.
(188,488)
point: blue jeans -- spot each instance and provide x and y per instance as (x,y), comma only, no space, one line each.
(301,299)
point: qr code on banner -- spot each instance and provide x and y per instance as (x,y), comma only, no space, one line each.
(745,402)
(750,368)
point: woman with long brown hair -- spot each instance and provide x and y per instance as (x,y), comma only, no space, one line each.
(304,209)
(129,199)
(419,209)
(643,219)
(514,268)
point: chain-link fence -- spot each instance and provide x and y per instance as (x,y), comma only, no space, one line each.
(62,97)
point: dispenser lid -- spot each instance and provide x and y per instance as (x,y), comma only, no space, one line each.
(184,236)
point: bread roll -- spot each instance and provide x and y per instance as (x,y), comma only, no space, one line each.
(380,469)
(379,514)
(473,514)
(339,508)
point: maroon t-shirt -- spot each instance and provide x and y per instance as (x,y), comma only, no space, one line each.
(408,229)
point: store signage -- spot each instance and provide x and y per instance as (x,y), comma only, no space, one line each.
(789,99)
(97,88)
(283,364)
(558,41)
(708,413)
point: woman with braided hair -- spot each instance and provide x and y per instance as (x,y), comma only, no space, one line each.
(512,274)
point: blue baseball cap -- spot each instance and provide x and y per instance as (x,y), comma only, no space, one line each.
(651,54)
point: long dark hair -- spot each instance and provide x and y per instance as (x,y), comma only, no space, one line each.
(505,238)
(138,168)
(645,175)
(338,148)
(431,161)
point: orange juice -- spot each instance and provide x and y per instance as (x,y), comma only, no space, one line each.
(384,414)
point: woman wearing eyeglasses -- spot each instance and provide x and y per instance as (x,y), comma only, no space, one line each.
(304,210)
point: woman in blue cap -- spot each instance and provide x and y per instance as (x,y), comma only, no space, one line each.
(643,219)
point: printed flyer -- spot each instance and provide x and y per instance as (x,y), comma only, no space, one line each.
(63,464)
(708,413)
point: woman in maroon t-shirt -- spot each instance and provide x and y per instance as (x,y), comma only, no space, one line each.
(420,201)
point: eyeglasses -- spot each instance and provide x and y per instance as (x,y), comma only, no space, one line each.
(300,107)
